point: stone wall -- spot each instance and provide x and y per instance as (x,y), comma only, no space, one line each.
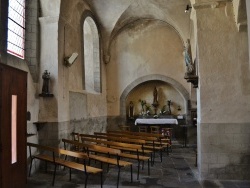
(32,38)
(225,151)
(51,133)
(223,110)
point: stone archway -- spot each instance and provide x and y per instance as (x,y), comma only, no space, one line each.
(184,93)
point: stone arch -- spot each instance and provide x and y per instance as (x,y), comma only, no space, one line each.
(155,77)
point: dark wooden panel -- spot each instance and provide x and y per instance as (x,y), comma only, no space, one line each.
(1,122)
(13,82)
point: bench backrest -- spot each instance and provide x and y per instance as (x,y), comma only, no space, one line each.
(58,151)
(41,147)
(111,143)
(96,148)
(138,133)
(119,138)
(146,138)
(115,139)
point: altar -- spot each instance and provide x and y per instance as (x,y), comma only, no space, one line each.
(158,121)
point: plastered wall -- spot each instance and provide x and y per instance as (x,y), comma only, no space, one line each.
(165,92)
(150,47)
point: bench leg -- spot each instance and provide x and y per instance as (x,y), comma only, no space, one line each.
(54,175)
(161,154)
(131,171)
(107,167)
(101,179)
(148,168)
(118,177)
(46,167)
(152,159)
(70,174)
(142,165)
(30,166)
(138,170)
(153,156)
(86,180)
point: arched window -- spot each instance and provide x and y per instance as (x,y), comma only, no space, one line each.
(91,56)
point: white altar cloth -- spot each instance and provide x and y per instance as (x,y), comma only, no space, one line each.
(155,121)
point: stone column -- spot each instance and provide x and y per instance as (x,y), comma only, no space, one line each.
(223,93)
(53,110)
(49,62)
(248,24)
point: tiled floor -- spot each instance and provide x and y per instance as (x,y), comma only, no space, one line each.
(176,171)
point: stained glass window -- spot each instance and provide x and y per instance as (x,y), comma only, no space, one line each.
(16,28)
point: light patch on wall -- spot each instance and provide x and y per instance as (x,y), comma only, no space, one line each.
(13,129)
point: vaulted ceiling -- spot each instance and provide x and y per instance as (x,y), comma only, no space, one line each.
(117,14)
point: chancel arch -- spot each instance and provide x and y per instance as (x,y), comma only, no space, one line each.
(160,78)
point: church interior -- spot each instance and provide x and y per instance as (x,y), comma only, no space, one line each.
(89,66)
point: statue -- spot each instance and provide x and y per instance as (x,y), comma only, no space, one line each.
(46,78)
(155,96)
(155,101)
(169,108)
(188,58)
(131,110)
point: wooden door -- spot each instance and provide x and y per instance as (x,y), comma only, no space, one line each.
(13,107)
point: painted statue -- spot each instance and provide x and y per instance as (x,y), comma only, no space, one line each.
(155,94)
(46,78)
(188,58)
(131,110)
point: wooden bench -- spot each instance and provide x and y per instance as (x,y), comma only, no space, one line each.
(88,148)
(127,140)
(161,139)
(152,147)
(53,158)
(122,147)
(158,136)
(164,139)
(119,139)
(124,140)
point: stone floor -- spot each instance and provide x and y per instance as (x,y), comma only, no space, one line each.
(176,171)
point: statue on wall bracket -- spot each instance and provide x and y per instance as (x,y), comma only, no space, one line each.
(190,74)
(45,88)
(188,59)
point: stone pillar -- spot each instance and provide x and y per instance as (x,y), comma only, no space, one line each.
(49,62)
(53,110)
(32,38)
(223,93)
(248,24)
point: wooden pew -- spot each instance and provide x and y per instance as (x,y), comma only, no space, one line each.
(124,140)
(51,157)
(160,137)
(134,137)
(122,147)
(103,150)
(162,140)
